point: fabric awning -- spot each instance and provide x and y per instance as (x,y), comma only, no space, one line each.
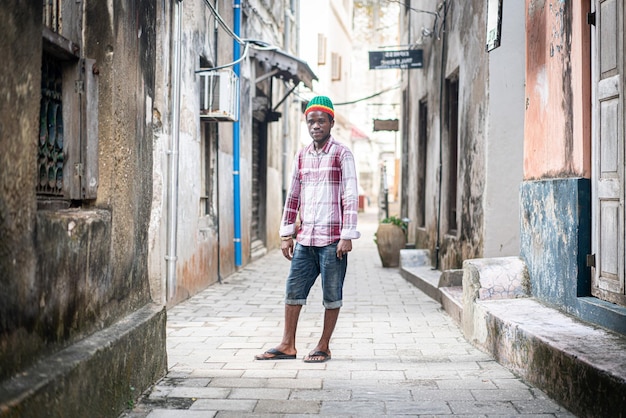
(285,66)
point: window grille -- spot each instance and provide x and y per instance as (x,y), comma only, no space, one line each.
(50,159)
(67,143)
(52,15)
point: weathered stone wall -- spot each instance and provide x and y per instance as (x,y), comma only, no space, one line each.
(71,273)
(462,42)
(556,196)
(20,79)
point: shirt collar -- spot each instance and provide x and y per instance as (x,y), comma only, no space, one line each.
(325,149)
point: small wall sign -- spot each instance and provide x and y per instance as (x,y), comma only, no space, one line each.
(403,59)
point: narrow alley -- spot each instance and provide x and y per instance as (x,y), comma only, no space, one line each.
(395,353)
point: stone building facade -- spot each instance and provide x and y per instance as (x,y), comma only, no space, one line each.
(130,189)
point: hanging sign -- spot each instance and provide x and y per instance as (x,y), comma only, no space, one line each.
(404,59)
(386,125)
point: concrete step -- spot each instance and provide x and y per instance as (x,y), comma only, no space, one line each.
(452,302)
(424,278)
(580,365)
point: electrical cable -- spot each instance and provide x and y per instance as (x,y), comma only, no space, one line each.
(230,64)
(436,14)
(257,44)
(356,100)
(223,24)
(369,97)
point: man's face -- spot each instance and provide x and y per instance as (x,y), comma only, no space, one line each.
(319,124)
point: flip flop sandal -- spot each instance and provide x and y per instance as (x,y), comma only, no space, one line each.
(324,357)
(274,354)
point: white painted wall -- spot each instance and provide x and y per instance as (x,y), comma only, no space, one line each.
(505,136)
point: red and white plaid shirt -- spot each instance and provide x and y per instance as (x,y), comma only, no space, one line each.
(324,190)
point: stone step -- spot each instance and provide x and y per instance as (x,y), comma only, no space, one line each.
(580,365)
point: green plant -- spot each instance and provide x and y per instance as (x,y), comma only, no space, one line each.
(402,223)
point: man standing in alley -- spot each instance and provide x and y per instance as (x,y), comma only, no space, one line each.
(324,194)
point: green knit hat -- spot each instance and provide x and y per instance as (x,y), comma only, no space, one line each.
(321,103)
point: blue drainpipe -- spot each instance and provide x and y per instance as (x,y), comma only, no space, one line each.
(236,187)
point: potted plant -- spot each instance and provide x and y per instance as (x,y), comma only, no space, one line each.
(390,238)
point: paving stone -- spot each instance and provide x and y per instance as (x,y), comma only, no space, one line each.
(396,353)
(418,408)
(224,405)
(353,408)
(321,394)
(438,395)
(199,393)
(259,393)
(483,407)
(285,407)
(169,413)
(540,406)
(238,382)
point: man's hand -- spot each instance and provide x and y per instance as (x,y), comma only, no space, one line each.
(344,246)
(286,246)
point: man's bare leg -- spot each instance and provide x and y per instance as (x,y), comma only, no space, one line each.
(330,320)
(288,344)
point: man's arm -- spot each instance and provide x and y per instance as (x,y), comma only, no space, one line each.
(349,198)
(292,203)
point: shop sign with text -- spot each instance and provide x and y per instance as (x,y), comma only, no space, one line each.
(403,59)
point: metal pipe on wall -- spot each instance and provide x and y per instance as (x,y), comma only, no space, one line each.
(172,198)
(286,46)
(236,133)
(442,76)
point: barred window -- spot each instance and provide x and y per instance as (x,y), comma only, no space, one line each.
(68,118)
(51,159)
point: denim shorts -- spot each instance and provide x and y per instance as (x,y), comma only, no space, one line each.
(306,265)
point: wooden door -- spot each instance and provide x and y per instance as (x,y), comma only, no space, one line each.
(608,150)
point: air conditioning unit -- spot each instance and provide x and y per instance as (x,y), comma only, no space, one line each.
(219,95)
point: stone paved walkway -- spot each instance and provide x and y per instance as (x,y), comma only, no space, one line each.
(395,353)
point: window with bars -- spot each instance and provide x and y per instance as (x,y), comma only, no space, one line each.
(50,159)
(67,151)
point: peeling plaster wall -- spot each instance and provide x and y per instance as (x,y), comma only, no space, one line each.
(121,39)
(557,128)
(490,134)
(122,42)
(555,198)
(69,274)
(20,81)
(556,237)
(204,244)
(504,132)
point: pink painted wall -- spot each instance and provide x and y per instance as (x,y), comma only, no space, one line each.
(558,102)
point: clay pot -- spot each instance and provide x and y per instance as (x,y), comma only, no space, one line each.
(390,239)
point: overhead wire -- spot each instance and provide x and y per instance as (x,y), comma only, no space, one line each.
(257,44)
(368,97)
(223,24)
(262,45)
